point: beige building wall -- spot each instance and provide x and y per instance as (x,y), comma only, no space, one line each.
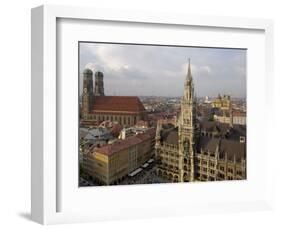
(168,162)
(207,167)
(239,120)
(112,168)
(118,165)
(222,103)
(222,119)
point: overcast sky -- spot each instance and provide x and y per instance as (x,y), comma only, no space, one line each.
(161,70)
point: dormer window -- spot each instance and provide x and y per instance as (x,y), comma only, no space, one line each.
(242,139)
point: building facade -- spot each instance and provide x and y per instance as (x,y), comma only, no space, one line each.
(96,107)
(110,164)
(235,117)
(222,102)
(239,117)
(188,150)
(223,116)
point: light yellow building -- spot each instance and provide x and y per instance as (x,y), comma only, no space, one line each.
(111,163)
(222,102)
(223,116)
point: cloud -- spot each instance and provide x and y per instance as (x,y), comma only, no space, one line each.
(205,70)
(94,67)
(196,70)
(161,70)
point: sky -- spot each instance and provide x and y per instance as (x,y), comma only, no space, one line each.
(147,70)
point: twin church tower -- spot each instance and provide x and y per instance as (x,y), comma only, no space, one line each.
(88,92)
(96,107)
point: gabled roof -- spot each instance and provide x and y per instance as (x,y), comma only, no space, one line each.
(172,137)
(213,126)
(229,147)
(224,130)
(118,104)
(118,146)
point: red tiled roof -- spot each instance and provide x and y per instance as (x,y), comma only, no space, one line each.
(116,129)
(143,136)
(122,144)
(118,104)
(239,113)
(118,146)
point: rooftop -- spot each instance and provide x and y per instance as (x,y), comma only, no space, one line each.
(171,136)
(95,133)
(118,103)
(226,147)
(119,145)
(239,113)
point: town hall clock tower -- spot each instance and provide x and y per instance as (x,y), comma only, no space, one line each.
(188,130)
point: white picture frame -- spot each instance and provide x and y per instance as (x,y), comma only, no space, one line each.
(45,90)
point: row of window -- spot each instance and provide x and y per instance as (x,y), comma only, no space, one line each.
(208,134)
(171,167)
(221,168)
(121,119)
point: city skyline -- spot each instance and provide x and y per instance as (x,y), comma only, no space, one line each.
(124,140)
(144,70)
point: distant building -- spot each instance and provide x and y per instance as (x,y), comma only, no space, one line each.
(189,150)
(132,131)
(223,116)
(96,107)
(93,137)
(204,112)
(207,100)
(232,117)
(239,117)
(114,127)
(222,102)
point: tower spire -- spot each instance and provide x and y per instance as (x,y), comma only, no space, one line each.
(189,76)
(188,87)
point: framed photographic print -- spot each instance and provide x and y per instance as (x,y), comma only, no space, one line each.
(147,115)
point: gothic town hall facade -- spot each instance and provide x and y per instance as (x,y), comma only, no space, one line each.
(190,150)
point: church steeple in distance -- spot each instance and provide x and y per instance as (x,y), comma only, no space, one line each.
(189,76)
(188,87)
